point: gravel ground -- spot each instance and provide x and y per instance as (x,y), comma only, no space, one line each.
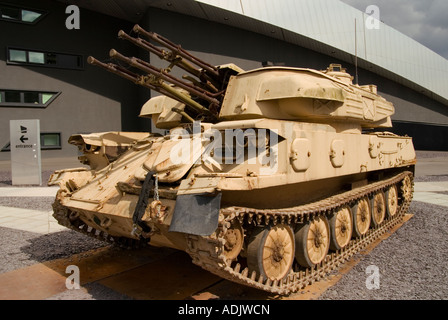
(431,154)
(21,248)
(6,178)
(35,203)
(431,178)
(411,262)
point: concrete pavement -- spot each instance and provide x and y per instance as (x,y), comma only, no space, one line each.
(29,220)
(28,192)
(26,219)
(432,192)
(43,222)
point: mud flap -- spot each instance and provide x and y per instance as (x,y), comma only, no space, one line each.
(196,214)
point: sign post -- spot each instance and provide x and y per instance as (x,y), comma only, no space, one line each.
(26,165)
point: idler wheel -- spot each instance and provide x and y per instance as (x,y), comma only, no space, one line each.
(406,188)
(361,217)
(378,209)
(341,228)
(312,242)
(270,251)
(73,216)
(392,201)
(234,237)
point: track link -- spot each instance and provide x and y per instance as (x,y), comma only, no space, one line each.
(69,219)
(208,252)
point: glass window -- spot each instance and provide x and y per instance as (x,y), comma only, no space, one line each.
(44,58)
(17,14)
(46,97)
(12,96)
(6,147)
(31,97)
(34,99)
(48,141)
(10,13)
(36,57)
(51,140)
(17,55)
(30,16)
(51,58)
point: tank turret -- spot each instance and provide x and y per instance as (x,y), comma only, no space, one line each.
(304,95)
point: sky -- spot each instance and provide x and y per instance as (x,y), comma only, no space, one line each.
(425,21)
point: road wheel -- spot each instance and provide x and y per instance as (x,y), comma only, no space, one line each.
(378,209)
(361,217)
(234,237)
(270,251)
(312,242)
(341,228)
(406,188)
(392,201)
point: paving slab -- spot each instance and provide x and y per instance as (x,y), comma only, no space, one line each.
(29,220)
(28,192)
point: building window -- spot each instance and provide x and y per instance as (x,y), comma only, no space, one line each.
(51,140)
(48,141)
(26,99)
(6,147)
(13,13)
(44,58)
(18,55)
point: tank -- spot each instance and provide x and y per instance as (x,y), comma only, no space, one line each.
(271,178)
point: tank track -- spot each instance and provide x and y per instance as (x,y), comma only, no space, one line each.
(208,252)
(69,219)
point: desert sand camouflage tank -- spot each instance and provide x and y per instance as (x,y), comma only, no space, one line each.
(270,178)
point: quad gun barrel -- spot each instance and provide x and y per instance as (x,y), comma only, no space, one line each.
(201,90)
(285,93)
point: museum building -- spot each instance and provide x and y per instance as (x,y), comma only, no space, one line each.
(44,72)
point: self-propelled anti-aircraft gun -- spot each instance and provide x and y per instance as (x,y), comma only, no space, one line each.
(270,177)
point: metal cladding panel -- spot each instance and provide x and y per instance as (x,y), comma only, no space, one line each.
(238,20)
(331,23)
(230,5)
(188,7)
(326,26)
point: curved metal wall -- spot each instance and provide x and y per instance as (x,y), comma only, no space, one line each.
(332,24)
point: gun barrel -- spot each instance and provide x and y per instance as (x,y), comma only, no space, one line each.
(114,69)
(201,90)
(187,100)
(183,114)
(146,67)
(142,43)
(157,83)
(128,75)
(213,71)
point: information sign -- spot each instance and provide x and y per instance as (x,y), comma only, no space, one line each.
(26,165)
